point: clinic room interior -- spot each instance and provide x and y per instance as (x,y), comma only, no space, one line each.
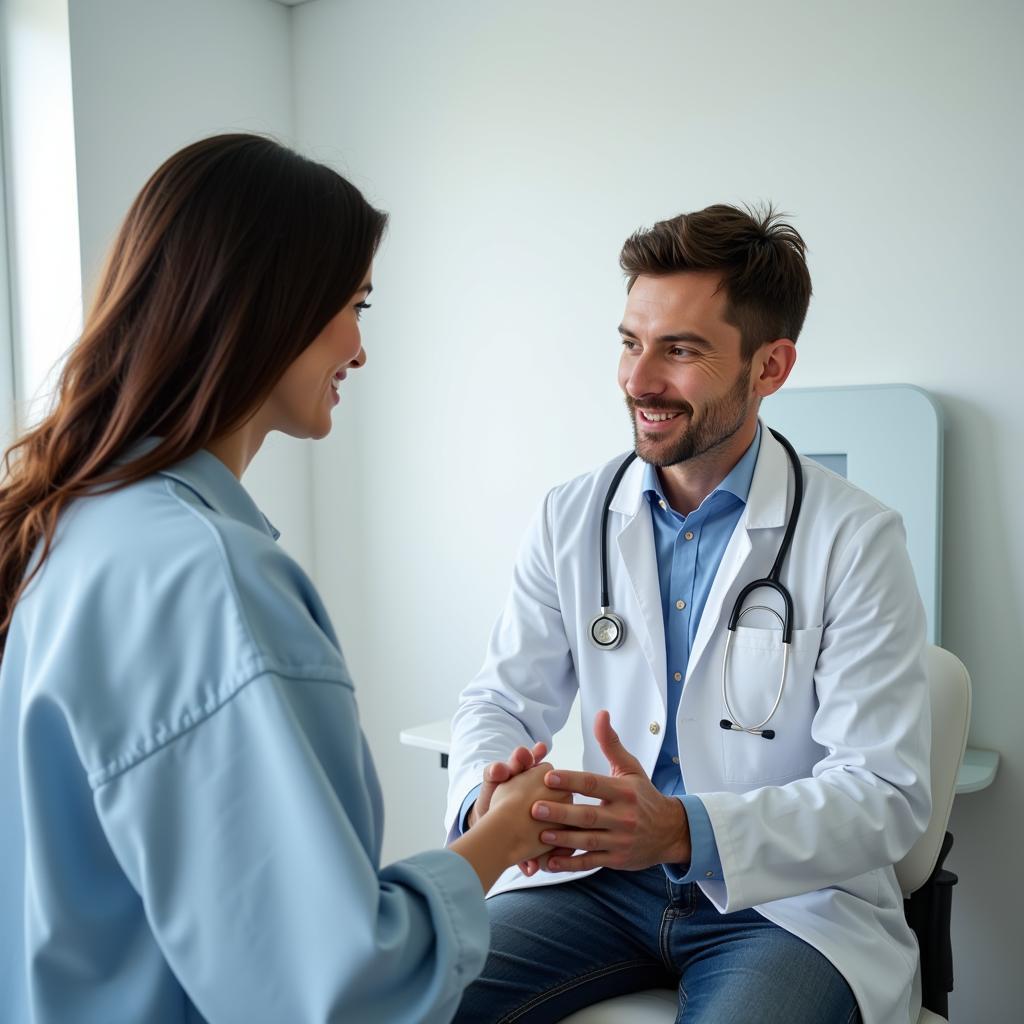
(515,146)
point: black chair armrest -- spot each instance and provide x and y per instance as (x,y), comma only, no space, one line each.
(928,912)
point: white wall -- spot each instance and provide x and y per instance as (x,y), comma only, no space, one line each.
(149,77)
(516,145)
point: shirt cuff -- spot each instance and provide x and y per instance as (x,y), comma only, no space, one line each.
(705,864)
(467,804)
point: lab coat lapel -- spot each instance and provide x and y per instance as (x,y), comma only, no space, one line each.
(747,549)
(635,542)
(733,563)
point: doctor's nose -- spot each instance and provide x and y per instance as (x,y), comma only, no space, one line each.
(359,360)
(642,381)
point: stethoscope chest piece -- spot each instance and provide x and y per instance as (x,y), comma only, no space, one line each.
(607,630)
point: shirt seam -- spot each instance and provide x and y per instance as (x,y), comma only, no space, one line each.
(115,769)
(225,561)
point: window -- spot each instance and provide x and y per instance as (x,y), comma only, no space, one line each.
(7,416)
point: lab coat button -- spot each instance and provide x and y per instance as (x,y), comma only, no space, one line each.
(655,728)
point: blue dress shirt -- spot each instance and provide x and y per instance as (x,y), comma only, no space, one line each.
(689,550)
(190,821)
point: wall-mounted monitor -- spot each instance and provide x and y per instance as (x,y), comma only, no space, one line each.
(886,439)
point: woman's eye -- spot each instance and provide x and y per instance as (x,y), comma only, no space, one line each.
(360,306)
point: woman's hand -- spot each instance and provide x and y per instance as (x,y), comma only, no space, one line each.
(507,834)
(511,804)
(498,772)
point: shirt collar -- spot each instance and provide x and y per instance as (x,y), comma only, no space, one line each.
(213,483)
(736,482)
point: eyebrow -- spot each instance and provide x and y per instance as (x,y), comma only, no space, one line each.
(688,336)
(367,288)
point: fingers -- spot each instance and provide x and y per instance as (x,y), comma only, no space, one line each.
(519,760)
(611,746)
(581,862)
(586,784)
(497,771)
(535,864)
(540,751)
(585,816)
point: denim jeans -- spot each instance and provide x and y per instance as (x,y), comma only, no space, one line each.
(559,948)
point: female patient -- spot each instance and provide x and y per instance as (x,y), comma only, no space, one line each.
(191,823)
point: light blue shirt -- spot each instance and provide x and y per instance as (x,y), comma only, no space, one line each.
(190,821)
(689,550)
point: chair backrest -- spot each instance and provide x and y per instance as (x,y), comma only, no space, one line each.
(950,688)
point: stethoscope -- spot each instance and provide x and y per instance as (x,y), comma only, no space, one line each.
(608,631)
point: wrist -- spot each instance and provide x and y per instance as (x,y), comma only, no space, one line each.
(679,848)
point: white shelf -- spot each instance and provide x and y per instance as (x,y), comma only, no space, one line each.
(977,771)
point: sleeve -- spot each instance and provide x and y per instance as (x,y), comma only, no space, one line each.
(705,863)
(460,821)
(868,799)
(524,691)
(252,838)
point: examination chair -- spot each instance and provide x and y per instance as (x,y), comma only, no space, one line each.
(927,886)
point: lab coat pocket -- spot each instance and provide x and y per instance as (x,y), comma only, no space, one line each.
(753,685)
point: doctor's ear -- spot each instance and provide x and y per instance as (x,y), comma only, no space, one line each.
(772,364)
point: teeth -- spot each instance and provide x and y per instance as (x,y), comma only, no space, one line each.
(658,417)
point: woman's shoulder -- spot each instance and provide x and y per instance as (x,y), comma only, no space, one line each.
(155,608)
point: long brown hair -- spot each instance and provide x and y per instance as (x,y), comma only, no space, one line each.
(761,258)
(233,257)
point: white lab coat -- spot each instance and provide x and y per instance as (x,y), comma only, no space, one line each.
(809,824)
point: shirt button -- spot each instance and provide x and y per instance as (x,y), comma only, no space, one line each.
(655,728)
(664,507)
(678,676)
(709,874)
(675,760)
(688,535)
(680,605)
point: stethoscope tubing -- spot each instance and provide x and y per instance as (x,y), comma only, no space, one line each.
(608,630)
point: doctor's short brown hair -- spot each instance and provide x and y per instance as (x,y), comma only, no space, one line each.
(761,258)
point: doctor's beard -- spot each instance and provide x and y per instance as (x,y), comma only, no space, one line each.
(720,420)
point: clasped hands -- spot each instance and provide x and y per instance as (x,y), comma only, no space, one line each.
(633,827)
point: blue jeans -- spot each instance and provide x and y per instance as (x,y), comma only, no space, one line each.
(557,949)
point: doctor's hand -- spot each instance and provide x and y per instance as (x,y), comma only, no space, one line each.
(634,827)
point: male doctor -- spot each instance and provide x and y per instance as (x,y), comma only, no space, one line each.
(752,870)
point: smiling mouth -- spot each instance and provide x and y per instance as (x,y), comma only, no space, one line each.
(657,417)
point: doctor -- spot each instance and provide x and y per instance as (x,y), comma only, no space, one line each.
(739,814)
